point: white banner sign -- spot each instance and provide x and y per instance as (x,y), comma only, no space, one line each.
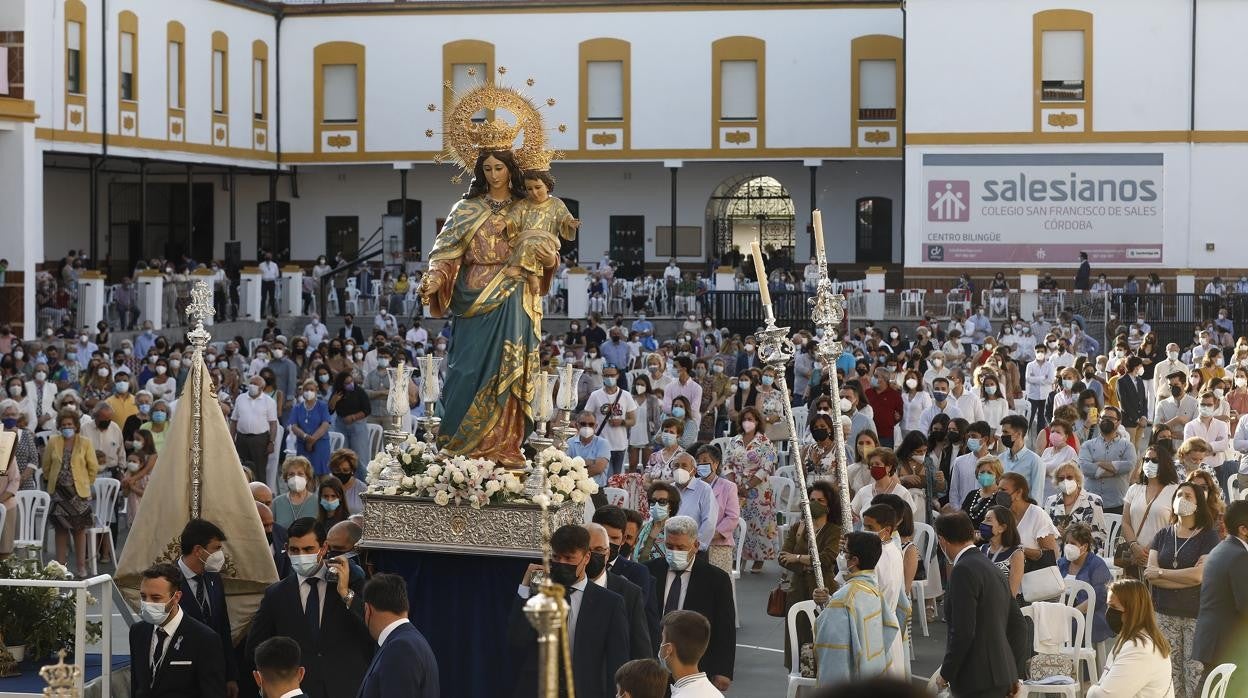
(1042,208)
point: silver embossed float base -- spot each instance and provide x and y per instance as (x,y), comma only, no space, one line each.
(408,523)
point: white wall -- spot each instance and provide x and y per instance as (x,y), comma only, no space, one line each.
(1221,54)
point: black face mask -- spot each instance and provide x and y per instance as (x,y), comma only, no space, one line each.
(1113,618)
(268,535)
(563,573)
(626,551)
(597,563)
(1175,391)
(818,434)
(344,477)
(936,436)
(101,423)
(862,371)
(954,437)
(1108,427)
(1007,440)
(615,552)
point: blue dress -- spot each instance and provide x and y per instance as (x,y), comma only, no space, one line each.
(309,420)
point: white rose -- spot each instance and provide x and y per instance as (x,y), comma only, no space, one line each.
(514,486)
(566,483)
(578,463)
(492,486)
(541,500)
(391,490)
(441,498)
(457,477)
(407,458)
(556,498)
(407,482)
(426,481)
(579,497)
(434,470)
(587,486)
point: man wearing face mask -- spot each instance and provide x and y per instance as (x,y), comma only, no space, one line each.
(275,533)
(596,451)
(697,500)
(682,581)
(202,591)
(635,611)
(1106,461)
(962,473)
(172,654)
(855,618)
(614,521)
(1213,430)
(122,400)
(1167,367)
(105,437)
(615,412)
(597,628)
(327,619)
(253,424)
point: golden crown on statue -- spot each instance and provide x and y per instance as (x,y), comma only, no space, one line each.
(61,678)
(466,135)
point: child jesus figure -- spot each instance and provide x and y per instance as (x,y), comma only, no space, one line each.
(540,221)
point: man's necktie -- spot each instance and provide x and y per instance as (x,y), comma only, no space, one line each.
(312,610)
(673,596)
(159,654)
(39,406)
(201,596)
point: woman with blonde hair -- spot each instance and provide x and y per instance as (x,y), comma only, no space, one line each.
(1139,662)
(1192,452)
(297,502)
(1074,504)
(70,467)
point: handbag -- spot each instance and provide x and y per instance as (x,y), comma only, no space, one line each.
(775,601)
(1042,579)
(1122,549)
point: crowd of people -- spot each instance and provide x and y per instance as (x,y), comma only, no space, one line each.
(1100,467)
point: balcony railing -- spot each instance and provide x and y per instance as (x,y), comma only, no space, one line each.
(877,114)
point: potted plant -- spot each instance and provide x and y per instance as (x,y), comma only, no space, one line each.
(39,618)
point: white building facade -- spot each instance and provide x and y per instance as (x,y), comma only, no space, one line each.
(195,115)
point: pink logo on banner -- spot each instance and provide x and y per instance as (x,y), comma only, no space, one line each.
(948,200)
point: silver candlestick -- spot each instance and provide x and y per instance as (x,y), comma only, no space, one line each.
(430,393)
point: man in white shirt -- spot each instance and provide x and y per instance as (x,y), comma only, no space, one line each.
(315,331)
(618,408)
(1039,377)
(1177,409)
(697,500)
(253,424)
(1164,368)
(269,274)
(881,519)
(672,272)
(1211,429)
(105,436)
(970,407)
(279,669)
(685,637)
(979,441)
(417,335)
(942,403)
(188,651)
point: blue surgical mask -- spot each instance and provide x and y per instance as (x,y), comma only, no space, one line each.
(658,511)
(667,439)
(768,380)
(986,479)
(678,412)
(9,422)
(974,444)
(67,432)
(704,469)
(608,381)
(145,409)
(305,565)
(329,504)
(677,560)
(159,416)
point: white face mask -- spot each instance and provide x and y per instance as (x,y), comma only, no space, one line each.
(846,406)
(101,372)
(681,476)
(305,565)
(1150,468)
(1072,551)
(309,395)
(1183,507)
(253,389)
(154,612)
(1069,486)
(296,483)
(215,561)
(1207,411)
(639,389)
(586,432)
(160,370)
(912,383)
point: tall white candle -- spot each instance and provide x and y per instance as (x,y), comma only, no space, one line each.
(760,270)
(818,224)
(566,389)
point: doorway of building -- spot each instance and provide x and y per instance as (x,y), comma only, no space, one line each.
(748,207)
(628,245)
(411,225)
(167,234)
(273,231)
(873,230)
(342,234)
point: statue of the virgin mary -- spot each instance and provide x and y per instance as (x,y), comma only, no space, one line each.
(493,353)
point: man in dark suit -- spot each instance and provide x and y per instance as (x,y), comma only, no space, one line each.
(1222,622)
(404,665)
(683,581)
(277,535)
(615,521)
(634,601)
(350,330)
(325,617)
(171,654)
(1133,399)
(203,592)
(597,627)
(982,654)
(278,670)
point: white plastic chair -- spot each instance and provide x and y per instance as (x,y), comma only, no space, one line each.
(1217,681)
(33,507)
(374,441)
(925,540)
(800,415)
(1070,647)
(353,300)
(783,490)
(796,680)
(331,302)
(336,440)
(103,500)
(738,550)
(251,346)
(38,477)
(1087,652)
(912,301)
(617,496)
(1114,522)
(787,471)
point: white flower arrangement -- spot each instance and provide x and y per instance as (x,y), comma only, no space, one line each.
(476,482)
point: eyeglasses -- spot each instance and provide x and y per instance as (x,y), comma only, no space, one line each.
(659,501)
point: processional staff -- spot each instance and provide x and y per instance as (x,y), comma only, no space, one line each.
(776,349)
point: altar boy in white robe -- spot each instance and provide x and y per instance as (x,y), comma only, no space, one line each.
(856,629)
(881,519)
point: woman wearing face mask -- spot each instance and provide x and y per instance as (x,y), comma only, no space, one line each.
(687,436)
(1213,498)
(825,511)
(1068,414)
(993,401)
(1035,529)
(659,379)
(70,468)
(1089,415)
(1073,504)
(309,422)
(162,386)
(25,450)
(1079,560)
(917,475)
(1139,662)
(297,502)
(1002,545)
(659,466)
(648,420)
(750,460)
(770,404)
(1175,566)
(350,407)
(98,384)
(1058,451)
(859,472)
(344,465)
(821,453)
(664,499)
(139,466)
(915,400)
(988,472)
(159,425)
(882,464)
(1237,399)
(11,478)
(745,395)
(331,503)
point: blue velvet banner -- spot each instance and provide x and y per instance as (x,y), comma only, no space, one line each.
(461,603)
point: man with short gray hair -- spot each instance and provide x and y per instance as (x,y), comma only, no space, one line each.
(684,581)
(105,436)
